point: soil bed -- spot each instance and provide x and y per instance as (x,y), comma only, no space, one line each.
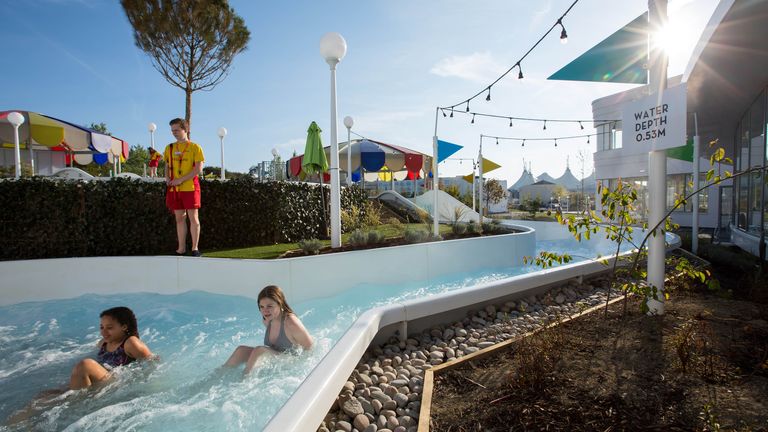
(702,366)
(395,241)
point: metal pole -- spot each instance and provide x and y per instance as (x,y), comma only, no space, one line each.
(657,168)
(474,168)
(335,186)
(17,151)
(696,168)
(349,157)
(223,175)
(31,156)
(152,139)
(480,171)
(435,177)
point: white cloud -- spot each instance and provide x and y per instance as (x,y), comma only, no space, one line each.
(540,15)
(477,67)
(376,123)
(286,148)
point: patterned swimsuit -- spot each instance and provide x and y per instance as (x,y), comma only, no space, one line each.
(114,358)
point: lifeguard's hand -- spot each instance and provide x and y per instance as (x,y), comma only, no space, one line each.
(174,182)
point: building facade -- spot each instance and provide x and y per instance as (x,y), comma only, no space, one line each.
(726,79)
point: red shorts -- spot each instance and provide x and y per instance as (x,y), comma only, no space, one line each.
(182,200)
(154,163)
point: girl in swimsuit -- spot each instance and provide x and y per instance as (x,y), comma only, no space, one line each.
(284,331)
(119,346)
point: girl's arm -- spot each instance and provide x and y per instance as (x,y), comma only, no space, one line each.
(296,332)
(135,348)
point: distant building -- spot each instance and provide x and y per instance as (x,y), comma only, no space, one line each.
(542,189)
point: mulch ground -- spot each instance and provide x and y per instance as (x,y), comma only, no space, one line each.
(701,366)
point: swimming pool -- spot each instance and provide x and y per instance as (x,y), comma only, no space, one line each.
(193,333)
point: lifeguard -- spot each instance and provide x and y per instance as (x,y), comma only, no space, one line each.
(184,162)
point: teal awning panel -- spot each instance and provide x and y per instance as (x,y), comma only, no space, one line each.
(620,58)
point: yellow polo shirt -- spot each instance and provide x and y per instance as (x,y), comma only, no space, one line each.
(180,158)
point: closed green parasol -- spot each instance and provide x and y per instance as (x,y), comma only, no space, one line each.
(315,162)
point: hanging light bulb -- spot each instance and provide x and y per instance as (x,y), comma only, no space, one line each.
(520,74)
(451,113)
(473,118)
(523,144)
(510,122)
(563,34)
(545,125)
(555,142)
(497,141)
(488,98)
(467,106)
(581,125)
(444,115)
(587,139)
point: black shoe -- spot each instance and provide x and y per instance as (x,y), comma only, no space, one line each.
(180,253)
(196,253)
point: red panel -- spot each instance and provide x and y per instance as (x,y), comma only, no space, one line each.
(294,164)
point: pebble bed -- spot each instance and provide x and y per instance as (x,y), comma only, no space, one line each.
(383,394)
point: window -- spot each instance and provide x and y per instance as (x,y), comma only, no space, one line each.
(680,186)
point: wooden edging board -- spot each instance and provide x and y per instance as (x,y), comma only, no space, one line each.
(426,394)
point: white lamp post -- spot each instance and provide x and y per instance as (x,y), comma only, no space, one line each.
(222,134)
(349,122)
(17,120)
(333,47)
(152,128)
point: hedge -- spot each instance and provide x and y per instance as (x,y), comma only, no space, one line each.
(43,218)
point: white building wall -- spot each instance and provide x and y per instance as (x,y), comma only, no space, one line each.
(531,192)
(613,162)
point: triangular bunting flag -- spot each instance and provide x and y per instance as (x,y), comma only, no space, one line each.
(446,149)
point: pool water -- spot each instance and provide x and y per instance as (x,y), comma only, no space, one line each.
(193,333)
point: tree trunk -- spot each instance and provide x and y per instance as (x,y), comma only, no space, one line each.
(188,110)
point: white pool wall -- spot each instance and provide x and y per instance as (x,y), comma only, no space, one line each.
(309,404)
(301,278)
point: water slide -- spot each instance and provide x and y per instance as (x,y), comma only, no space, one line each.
(450,207)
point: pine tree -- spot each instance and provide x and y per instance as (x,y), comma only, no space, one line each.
(191,42)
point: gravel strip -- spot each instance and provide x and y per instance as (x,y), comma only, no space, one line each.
(383,394)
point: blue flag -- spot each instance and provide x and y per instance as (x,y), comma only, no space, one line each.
(446,149)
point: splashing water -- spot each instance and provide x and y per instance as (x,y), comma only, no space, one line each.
(193,333)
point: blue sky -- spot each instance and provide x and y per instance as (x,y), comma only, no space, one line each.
(76,60)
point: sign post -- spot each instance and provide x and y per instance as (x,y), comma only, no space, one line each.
(652,125)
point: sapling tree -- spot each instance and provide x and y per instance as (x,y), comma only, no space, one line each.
(618,221)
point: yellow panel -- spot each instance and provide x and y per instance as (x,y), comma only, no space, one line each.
(45,131)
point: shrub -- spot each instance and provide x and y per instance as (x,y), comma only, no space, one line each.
(473,228)
(350,218)
(375,237)
(396,224)
(372,214)
(459,228)
(45,218)
(358,237)
(489,228)
(311,246)
(416,235)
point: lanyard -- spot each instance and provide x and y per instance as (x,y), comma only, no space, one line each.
(181,155)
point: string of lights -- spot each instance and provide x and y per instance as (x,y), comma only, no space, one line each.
(518,63)
(523,140)
(511,119)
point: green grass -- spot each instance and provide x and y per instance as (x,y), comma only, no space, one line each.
(274,251)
